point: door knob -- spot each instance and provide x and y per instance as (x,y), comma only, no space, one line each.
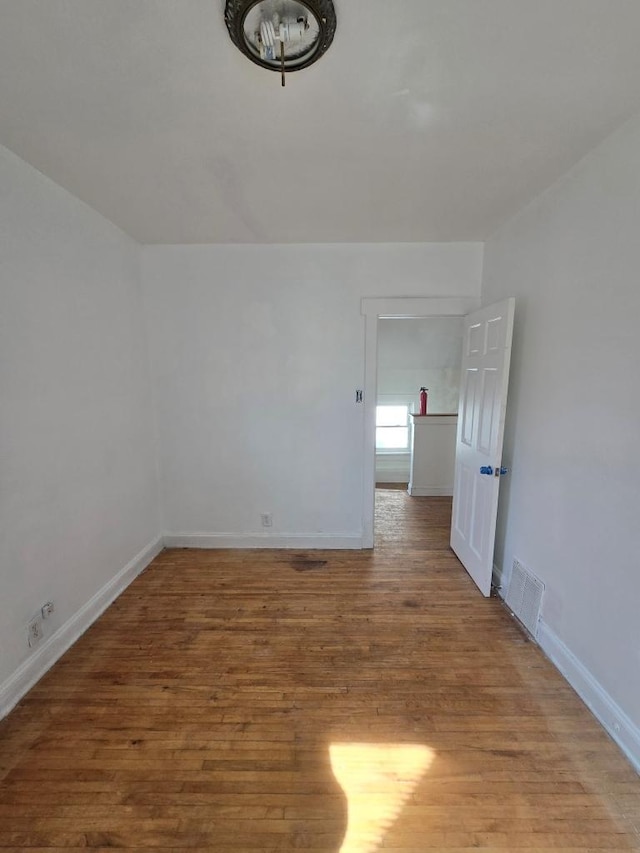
(486,469)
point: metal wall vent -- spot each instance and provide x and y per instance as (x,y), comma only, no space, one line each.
(524,597)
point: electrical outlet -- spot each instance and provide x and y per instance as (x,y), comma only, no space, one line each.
(47,609)
(35,632)
(267,519)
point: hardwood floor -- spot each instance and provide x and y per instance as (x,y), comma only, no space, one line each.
(326,701)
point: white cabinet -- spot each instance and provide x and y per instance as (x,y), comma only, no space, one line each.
(433,451)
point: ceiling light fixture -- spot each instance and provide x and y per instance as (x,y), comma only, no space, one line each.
(281,35)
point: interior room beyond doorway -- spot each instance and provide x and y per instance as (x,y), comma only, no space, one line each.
(412,353)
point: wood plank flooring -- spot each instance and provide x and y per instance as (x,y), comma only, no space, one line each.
(324,701)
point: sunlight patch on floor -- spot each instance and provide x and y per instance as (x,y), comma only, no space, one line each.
(377,779)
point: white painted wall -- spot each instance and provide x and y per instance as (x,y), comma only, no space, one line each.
(421,351)
(257,353)
(78,498)
(569,509)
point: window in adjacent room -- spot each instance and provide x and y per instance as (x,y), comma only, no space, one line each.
(392,428)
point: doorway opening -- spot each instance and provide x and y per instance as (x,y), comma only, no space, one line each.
(414,353)
(375,310)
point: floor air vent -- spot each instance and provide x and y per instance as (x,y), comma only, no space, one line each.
(524,597)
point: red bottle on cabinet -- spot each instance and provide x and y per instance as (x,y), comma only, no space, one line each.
(423,401)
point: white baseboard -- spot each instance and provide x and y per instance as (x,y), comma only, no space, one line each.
(32,670)
(444,491)
(327,541)
(614,720)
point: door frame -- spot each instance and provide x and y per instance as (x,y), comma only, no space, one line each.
(391,308)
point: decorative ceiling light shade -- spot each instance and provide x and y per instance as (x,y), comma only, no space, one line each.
(282,35)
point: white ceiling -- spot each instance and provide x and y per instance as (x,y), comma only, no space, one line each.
(426,120)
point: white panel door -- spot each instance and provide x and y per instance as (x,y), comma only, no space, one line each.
(481,414)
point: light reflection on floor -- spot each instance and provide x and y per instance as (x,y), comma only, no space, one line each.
(377,779)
